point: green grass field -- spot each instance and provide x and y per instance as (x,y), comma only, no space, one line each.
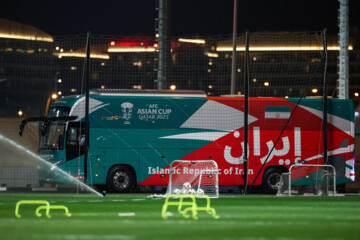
(241,217)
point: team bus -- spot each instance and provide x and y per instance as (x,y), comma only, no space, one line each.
(134,136)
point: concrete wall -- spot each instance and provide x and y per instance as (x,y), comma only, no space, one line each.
(17,167)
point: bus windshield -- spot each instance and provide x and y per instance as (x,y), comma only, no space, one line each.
(58,111)
(54,136)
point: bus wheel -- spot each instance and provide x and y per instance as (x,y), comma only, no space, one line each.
(120,179)
(271,179)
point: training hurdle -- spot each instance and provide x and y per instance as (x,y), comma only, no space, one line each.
(38,214)
(34,202)
(45,205)
(193,207)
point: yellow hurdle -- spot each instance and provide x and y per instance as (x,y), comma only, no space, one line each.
(37,202)
(192,206)
(207,208)
(38,214)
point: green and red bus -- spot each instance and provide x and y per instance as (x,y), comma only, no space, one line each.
(134,136)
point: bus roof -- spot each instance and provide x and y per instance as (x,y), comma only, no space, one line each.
(148,92)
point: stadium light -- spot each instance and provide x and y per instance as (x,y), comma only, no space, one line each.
(173,87)
(266,84)
(314,90)
(116,49)
(54,96)
(213,55)
(83,55)
(31,37)
(356,94)
(196,41)
(226,48)
(20,113)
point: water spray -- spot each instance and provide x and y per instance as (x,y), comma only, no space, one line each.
(62,172)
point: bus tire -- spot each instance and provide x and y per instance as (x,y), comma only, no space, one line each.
(271,179)
(120,179)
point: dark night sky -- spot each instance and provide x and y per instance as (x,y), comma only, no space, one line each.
(186,17)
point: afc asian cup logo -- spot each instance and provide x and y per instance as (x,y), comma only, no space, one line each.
(127,111)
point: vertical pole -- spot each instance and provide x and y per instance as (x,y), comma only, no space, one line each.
(233,67)
(87,126)
(343,59)
(163,47)
(246,110)
(325,89)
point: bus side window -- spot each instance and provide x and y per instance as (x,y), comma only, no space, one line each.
(72,136)
(74,142)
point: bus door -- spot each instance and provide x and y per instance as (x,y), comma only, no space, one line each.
(75,148)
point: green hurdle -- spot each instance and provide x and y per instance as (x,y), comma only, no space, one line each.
(38,214)
(36,202)
(192,206)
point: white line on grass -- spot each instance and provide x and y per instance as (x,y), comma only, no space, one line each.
(126,214)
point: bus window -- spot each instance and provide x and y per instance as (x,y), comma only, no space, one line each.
(58,111)
(74,142)
(72,135)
